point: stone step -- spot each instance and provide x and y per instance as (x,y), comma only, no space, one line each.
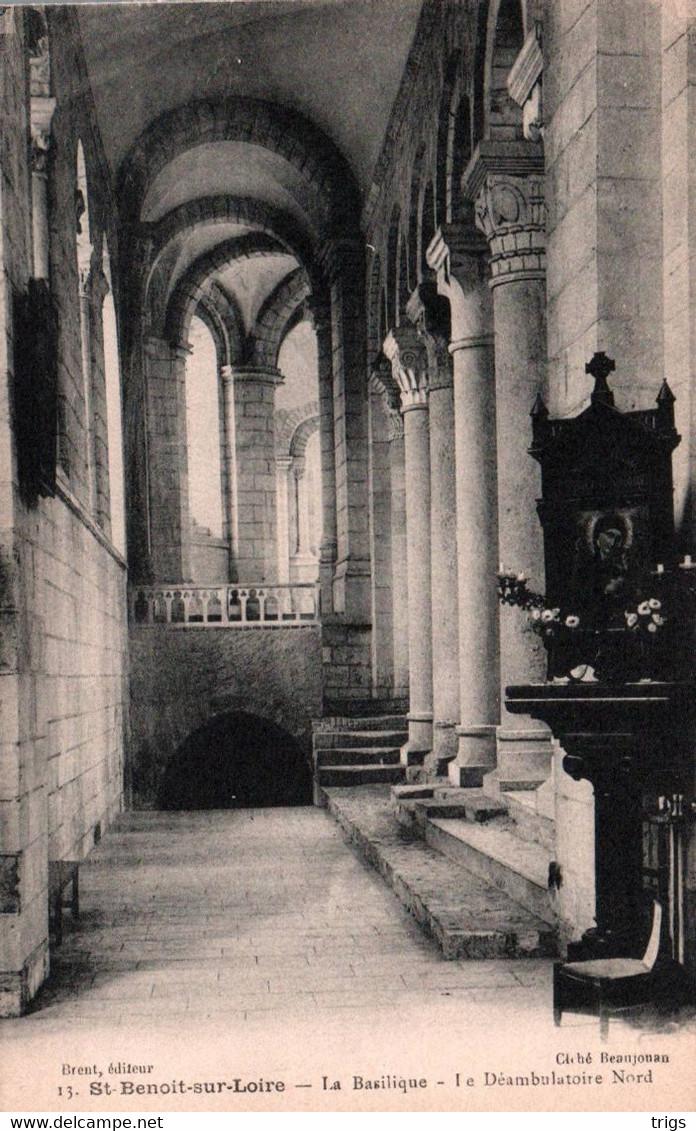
(529,823)
(417,806)
(357,756)
(342,739)
(364,708)
(466,804)
(411,792)
(498,856)
(352,776)
(497,783)
(469,918)
(366,722)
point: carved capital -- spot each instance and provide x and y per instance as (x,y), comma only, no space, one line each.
(409,362)
(458,254)
(506,182)
(42,110)
(382,383)
(430,314)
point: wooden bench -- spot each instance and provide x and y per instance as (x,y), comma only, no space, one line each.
(62,874)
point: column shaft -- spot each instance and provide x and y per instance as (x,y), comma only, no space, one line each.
(283,465)
(170,524)
(351,587)
(506,179)
(321,316)
(444,570)
(418,532)
(254,404)
(410,372)
(229,469)
(381,545)
(400,609)
(458,257)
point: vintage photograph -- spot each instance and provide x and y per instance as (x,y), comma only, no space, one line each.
(348,556)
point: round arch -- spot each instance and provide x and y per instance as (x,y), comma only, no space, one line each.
(278,311)
(190,288)
(278,129)
(302,434)
(237,761)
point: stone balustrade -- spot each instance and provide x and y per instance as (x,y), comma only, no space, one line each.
(224,606)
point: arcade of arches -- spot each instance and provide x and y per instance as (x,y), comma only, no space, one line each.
(274,320)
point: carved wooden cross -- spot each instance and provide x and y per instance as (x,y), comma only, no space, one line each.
(600,367)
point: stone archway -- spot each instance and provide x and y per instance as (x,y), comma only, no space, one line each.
(237,761)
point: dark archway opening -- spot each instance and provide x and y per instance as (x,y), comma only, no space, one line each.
(237,761)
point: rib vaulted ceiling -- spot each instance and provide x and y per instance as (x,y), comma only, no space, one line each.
(338,62)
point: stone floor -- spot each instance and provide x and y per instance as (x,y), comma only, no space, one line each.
(259,934)
(246,912)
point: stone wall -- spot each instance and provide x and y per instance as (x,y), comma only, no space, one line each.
(63,660)
(603,194)
(23,819)
(183,678)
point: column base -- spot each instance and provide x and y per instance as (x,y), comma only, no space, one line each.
(445,742)
(420,739)
(525,757)
(476,752)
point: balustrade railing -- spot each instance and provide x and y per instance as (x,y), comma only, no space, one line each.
(224,606)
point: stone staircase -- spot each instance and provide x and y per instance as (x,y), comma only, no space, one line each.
(474,870)
(502,840)
(469,916)
(359,749)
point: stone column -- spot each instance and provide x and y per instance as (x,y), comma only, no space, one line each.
(390,584)
(506,181)
(229,469)
(429,314)
(254,409)
(42,109)
(170,521)
(409,368)
(320,312)
(302,505)
(343,263)
(283,465)
(400,613)
(458,257)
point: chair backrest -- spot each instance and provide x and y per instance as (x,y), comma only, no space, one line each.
(653,947)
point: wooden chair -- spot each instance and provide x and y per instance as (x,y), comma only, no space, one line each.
(609,985)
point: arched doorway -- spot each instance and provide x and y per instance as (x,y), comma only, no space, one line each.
(237,761)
